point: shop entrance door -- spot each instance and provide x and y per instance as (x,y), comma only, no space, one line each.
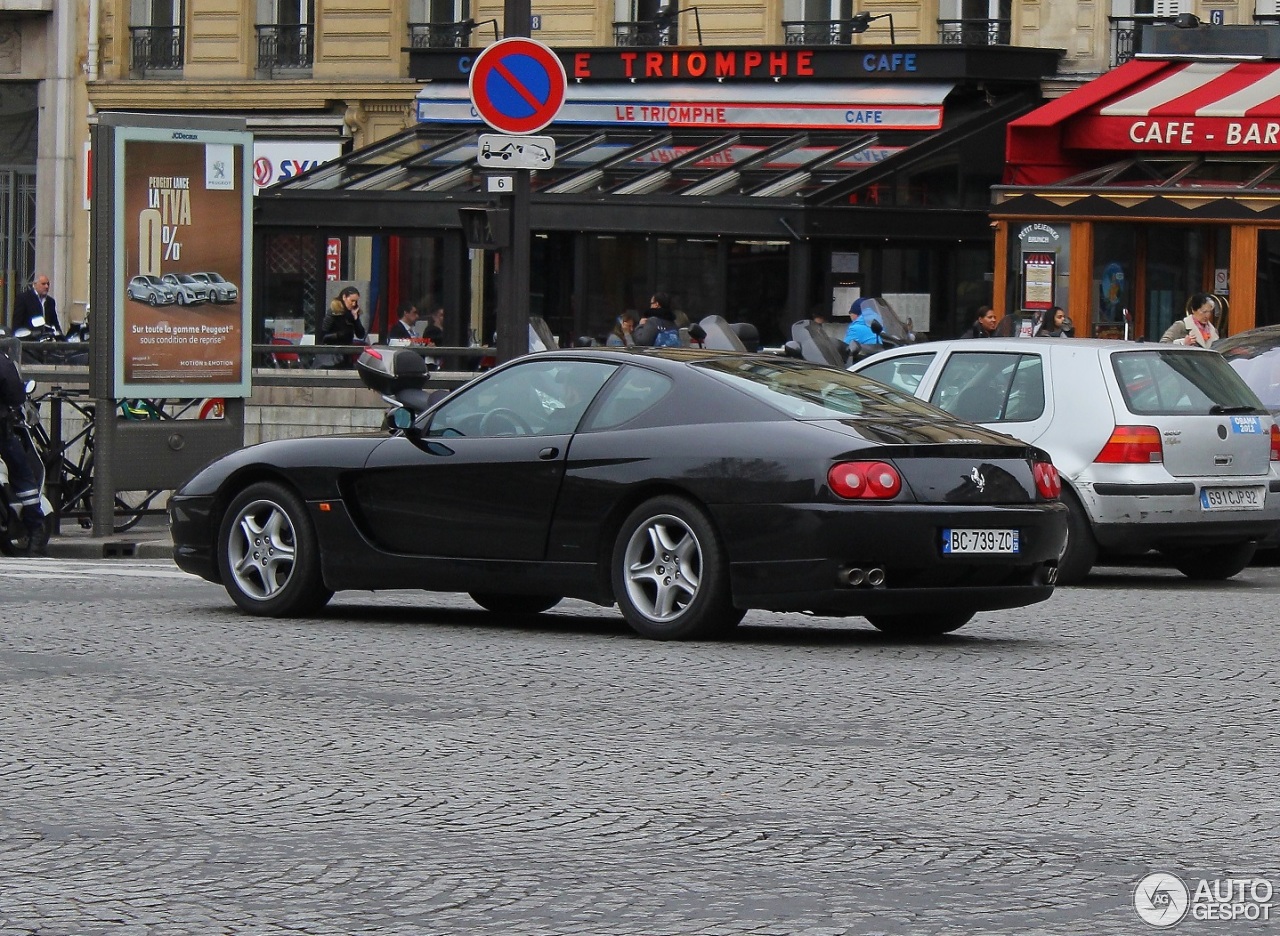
(17,235)
(1177,258)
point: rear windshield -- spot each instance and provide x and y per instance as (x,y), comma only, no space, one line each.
(1171,382)
(810,391)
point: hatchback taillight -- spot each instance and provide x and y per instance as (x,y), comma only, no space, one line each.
(1048,483)
(1132,445)
(1275,442)
(864,480)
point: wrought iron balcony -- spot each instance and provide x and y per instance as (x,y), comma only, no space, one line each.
(155,49)
(644,33)
(817,32)
(1126,34)
(285,47)
(973,31)
(440,35)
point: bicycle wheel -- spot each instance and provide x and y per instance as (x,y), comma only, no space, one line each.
(131,507)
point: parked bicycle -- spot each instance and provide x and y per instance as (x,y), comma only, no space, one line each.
(69,459)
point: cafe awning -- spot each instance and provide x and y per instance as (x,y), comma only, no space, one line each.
(848,106)
(1150,107)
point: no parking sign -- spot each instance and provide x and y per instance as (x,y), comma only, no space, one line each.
(517,85)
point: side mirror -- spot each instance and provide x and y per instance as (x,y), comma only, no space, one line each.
(29,387)
(37,321)
(792,349)
(22,332)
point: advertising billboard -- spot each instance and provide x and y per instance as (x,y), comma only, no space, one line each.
(183,215)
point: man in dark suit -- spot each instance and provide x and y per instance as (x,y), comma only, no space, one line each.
(404,329)
(36,301)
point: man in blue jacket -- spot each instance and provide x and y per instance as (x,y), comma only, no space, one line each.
(865,324)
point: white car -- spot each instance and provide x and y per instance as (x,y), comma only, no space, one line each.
(1159,446)
(220,290)
(151,290)
(187,288)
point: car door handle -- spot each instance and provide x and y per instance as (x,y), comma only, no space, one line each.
(548,453)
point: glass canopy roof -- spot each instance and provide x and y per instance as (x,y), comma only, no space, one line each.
(627,161)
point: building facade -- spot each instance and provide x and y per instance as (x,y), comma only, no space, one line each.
(316,79)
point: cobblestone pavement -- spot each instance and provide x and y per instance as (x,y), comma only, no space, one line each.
(407,764)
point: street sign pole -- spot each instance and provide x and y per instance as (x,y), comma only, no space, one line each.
(513,310)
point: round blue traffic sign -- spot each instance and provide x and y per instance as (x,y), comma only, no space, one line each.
(517,85)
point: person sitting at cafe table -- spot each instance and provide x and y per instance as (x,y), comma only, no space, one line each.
(405,329)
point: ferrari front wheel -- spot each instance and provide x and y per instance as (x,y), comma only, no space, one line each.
(268,553)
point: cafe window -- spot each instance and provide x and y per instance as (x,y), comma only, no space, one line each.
(1114,263)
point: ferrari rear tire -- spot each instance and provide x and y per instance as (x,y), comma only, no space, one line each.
(670,574)
(515,604)
(919,625)
(268,553)
(1214,563)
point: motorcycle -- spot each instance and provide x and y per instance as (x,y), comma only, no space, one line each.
(813,342)
(15,539)
(41,332)
(78,333)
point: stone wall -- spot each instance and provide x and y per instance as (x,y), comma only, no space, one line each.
(286,405)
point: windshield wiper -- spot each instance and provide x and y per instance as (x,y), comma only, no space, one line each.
(1219,410)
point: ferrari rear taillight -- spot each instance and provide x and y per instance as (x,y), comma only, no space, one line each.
(1048,483)
(1132,445)
(865,480)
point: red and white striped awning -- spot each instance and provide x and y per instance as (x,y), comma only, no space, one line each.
(1188,107)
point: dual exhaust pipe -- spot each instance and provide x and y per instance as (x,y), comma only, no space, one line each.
(858,577)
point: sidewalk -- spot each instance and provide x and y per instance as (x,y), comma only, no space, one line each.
(148,540)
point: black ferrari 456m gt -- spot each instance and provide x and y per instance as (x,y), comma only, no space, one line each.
(685,486)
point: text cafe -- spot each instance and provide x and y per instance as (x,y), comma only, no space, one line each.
(761,184)
(1153,182)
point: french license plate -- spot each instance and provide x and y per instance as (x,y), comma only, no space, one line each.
(979,541)
(1233,498)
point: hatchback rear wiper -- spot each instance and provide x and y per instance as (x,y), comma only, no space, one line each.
(1219,410)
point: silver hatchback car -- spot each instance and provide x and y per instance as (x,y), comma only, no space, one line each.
(1159,446)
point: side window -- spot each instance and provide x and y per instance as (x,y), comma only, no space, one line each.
(1026,394)
(904,372)
(987,387)
(535,399)
(630,395)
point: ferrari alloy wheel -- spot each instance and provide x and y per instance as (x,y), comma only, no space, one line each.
(268,553)
(514,604)
(670,574)
(919,625)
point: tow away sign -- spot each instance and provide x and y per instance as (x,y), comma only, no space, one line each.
(500,151)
